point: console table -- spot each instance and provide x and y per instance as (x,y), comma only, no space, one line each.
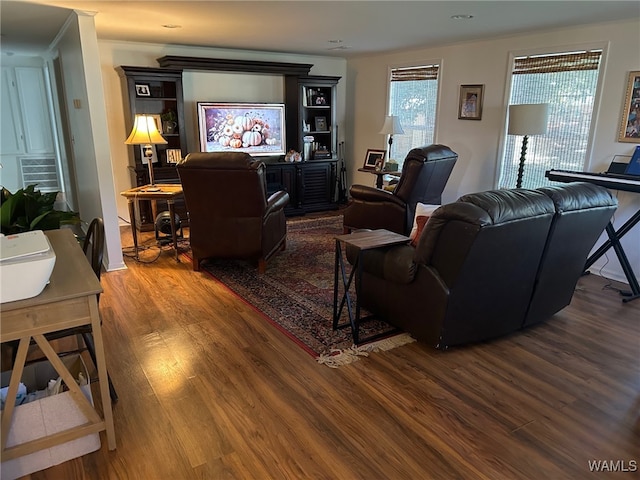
(362,241)
(166,192)
(69,300)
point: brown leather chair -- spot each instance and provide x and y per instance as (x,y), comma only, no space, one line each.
(424,175)
(230,215)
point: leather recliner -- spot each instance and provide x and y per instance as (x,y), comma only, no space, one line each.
(425,173)
(488,264)
(230,215)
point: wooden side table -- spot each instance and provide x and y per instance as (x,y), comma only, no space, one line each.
(380,175)
(363,241)
(69,300)
(166,192)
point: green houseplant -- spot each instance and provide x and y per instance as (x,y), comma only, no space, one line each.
(29,209)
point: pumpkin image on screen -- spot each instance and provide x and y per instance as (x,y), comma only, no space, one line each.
(254,128)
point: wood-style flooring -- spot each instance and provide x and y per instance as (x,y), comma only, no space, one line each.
(210,390)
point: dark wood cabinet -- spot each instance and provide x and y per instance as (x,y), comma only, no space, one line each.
(311,185)
(310,108)
(311,103)
(158,92)
(310,112)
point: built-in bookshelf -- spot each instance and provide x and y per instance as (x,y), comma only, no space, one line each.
(311,116)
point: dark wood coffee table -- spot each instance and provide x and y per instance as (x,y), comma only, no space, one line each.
(362,240)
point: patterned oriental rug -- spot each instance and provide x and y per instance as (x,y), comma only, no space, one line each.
(296,293)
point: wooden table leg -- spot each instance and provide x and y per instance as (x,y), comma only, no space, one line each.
(172,214)
(132,220)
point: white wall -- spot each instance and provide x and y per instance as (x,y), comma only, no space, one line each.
(478,142)
(77,49)
(197,86)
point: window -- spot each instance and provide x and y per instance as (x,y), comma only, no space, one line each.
(567,82)
(413,95)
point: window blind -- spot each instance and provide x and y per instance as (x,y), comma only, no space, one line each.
(567,82)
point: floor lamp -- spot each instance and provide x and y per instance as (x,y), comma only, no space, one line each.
(527,119)
(145,132)
(391,127)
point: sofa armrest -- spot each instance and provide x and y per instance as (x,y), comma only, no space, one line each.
(276,202)
(370,194)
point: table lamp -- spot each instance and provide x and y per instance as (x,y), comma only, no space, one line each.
(145,132)
(527,119)
(391,127)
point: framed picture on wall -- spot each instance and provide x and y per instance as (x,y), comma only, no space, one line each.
(630,123)
(470,106)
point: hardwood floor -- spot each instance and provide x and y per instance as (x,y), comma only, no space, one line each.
(209,390)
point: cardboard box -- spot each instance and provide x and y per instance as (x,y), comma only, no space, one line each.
(47,416)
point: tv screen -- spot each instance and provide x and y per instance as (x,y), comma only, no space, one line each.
(254,128)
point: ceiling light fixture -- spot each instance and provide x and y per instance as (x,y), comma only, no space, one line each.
(461,17)
(335,41)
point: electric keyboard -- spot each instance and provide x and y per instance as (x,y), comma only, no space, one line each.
(614,181)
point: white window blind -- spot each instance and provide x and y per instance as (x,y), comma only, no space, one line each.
(567,82)
(413,95)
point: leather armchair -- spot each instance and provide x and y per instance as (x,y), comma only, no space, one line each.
(230,215)
(425,173)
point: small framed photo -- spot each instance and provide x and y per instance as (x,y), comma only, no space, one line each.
(374,160)
(174,155)
(630,124)
(321,124)
(470,106)
(142,90)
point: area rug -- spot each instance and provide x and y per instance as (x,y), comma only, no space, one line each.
(295,293)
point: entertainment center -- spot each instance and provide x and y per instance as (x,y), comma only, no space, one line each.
(310,128)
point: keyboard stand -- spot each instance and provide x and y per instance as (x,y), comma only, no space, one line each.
(614,183)
(614,241)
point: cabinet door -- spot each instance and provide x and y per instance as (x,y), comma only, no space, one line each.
(38,136)
(10,119)
(318,187)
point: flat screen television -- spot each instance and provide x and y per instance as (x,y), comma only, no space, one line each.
(255,128)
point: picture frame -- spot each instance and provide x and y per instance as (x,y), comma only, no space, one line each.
(470,102)
(255,128)
(321,124)
(630,122)
(143,90)
(374,160)
(174,155)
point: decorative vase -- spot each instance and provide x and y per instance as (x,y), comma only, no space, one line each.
(169,127)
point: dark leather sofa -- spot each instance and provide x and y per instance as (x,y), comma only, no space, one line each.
(488,264)
(230,215)
(425,173)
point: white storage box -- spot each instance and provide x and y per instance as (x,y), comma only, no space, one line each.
(26,263)
(47,416)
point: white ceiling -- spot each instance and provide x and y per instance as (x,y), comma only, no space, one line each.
(334,28)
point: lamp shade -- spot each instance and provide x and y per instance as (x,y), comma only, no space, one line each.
(144,132)
(528,119)
(391,126)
